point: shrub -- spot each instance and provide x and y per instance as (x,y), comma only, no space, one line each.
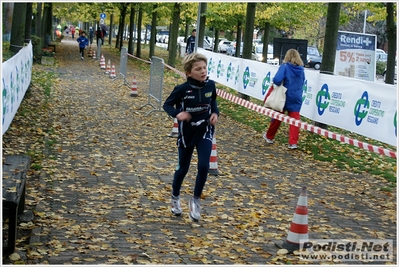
(380,67)
(37,48)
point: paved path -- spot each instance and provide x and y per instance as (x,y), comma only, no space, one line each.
(106,184)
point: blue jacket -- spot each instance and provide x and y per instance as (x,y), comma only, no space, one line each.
(294,78)
(199,99)
(83,41)
(190,44)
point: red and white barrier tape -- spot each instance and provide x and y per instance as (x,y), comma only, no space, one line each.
(303,125)
(147,61)
(292,121)
(176,70)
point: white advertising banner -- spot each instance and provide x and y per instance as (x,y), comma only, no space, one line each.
(364,107)
(355,56)
(16,75)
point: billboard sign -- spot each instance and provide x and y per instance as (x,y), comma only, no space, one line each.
(355,55)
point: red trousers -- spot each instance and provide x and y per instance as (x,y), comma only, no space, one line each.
(293,132)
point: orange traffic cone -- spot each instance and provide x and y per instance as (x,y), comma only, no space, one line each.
(108,69)
(175,129)
(90,52)
(113,74)
(102,62)
(213,161)
(299,225)
(133,92)
(94,54)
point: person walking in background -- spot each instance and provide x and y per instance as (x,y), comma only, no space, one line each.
(100,36)
(73,32)
(83,43)
(190,47)
(194,105)
(291,74)
(91,35)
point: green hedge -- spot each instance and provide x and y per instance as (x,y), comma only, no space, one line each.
(380,67)
(37,48)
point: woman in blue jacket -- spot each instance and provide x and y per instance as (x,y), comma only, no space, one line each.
(194,105)
(292,75)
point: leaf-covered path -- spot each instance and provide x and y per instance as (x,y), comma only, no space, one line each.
(104,191)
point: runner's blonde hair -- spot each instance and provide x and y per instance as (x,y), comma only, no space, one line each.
(190,59)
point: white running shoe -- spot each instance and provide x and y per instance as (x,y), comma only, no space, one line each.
(269,141)
(195,209)
(176,207)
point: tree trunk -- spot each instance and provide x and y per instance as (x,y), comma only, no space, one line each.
(111,29)
(8,9)
(186,30)
(46,24)
(249,30)
(153,31)
(238,43)
(139,22)
(38,20)
(391,32)
(266,35)
(173,34)
(330,44)
(18,27)
(130,48)
(201,30)
(248,37)
(123,17)
(216,40)
(120,33)
(28,25)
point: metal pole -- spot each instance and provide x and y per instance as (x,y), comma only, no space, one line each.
(198,26)
(364,24)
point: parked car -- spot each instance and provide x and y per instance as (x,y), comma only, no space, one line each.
(207,45)
(257,54)
(223,45)
(381,57)
(313,59)
(231,50)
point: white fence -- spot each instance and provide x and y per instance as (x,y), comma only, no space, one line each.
(16,75)
(364,107)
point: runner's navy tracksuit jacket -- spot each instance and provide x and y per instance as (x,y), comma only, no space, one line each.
(199,99)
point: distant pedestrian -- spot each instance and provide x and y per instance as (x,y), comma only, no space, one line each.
(83,43)
(291,74)
(67,32)
(91,35)
(73,32)
(194,105)
(99,36)
(190,47)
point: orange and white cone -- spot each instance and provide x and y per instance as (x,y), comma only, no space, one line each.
(298,231)
(175,129)
(94,54)
(133,92)
(113,74)
(102,62)
(108,69)
(90,52)
(213,161)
